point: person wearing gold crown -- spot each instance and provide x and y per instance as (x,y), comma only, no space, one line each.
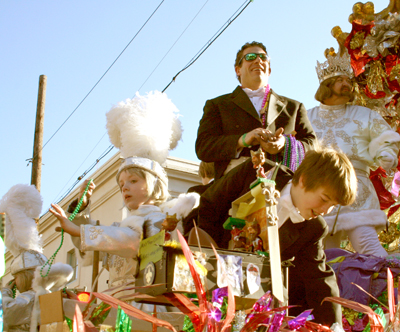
(365,137)
(143,182)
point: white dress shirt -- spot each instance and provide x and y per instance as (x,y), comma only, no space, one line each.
(286,209)
(256,97)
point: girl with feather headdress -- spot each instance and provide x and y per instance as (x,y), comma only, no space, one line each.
(144,129)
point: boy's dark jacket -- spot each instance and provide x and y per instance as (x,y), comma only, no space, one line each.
(310,280)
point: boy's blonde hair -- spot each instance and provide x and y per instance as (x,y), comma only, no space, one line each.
(329,169)
(156,189)
(206,170)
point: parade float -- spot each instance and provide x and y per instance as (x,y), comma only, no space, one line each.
(242,289)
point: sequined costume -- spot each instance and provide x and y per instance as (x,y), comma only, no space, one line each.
(366,138)
(17,312)
(119,242)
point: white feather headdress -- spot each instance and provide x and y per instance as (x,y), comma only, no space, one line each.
(22,203)
(145,126)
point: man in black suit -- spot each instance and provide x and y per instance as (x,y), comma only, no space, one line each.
(253,115)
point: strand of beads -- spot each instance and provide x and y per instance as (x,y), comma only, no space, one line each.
(14,291)
(71,217)
(293,152)
(264,106)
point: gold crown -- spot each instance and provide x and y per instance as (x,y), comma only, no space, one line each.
(335,65)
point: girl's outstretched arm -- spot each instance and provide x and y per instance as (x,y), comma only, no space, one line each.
(67,225)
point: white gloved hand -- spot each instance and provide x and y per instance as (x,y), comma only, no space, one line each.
(386,160)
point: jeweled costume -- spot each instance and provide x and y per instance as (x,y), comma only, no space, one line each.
(120,241)
(369,142)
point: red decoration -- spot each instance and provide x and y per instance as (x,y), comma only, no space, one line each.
(378,95)
(385,197)
(358,59)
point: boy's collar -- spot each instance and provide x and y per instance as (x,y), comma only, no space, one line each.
(287,201)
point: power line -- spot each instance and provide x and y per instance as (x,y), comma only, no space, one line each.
(55,198)
(173,45)
(103,75)
(105,153)
(194,59)
(211,41)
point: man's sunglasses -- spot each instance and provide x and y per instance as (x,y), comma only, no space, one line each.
(253,56)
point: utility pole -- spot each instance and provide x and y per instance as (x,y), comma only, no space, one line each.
(38,142)
(95,268)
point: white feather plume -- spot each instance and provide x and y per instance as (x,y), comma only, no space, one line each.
(182,205)
(21,204)
(145,126)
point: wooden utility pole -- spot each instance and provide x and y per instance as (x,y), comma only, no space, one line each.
(38,142)
(95,270)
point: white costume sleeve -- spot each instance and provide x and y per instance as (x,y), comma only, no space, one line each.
(151,219)
(365,241)
(122,241)
(385,142)
(17,311)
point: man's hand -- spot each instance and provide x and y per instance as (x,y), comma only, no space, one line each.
(67,225)
(275,143)
(255,136)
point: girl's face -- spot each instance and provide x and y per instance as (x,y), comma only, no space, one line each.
(134,190)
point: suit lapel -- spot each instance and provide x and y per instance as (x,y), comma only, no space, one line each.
(241,99)
(275,107)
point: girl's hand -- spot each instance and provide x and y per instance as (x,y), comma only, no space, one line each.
(67,225)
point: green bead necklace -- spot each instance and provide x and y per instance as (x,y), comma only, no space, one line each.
(70,218)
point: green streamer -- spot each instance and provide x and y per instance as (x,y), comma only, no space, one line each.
(187,325)
(123,322)
(100,314)
(380,312)
(70,323)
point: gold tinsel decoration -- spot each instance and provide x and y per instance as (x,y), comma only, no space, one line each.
(389,236)
(376,77)
(349,247)
(358,40)
(350,314)
(358,97)
(392,237)
(395,73)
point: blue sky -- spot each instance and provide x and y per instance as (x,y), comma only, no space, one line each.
(74,42)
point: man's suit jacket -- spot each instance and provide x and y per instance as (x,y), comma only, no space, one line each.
(228,117)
